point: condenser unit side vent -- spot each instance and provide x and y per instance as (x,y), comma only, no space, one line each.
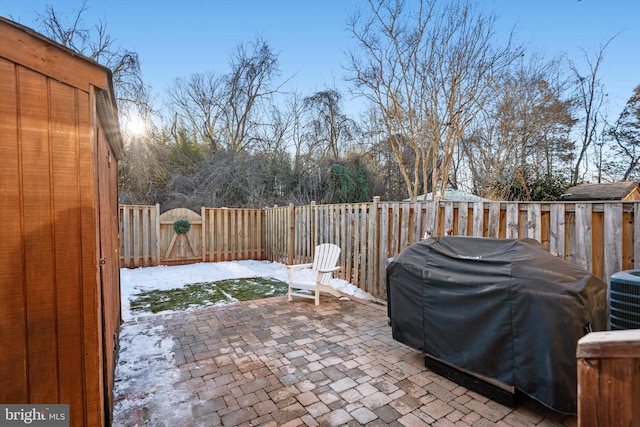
(624,300)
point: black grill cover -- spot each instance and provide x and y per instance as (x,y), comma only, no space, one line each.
(505,309)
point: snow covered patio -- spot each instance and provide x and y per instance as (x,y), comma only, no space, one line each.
(271,362)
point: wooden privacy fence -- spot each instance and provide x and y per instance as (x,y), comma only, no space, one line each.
(601,237)
(149,238)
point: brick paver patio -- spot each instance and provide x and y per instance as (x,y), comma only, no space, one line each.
(274,363)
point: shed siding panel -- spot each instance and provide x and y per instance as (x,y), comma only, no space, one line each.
(13,369)
(39,250)
(91,301)
(68,247)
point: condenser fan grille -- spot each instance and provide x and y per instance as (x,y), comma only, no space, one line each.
(624,300)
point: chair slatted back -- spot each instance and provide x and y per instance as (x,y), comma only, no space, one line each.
(326,256)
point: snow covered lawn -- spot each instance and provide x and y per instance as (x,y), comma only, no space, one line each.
(134,281)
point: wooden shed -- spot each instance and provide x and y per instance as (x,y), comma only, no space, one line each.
(59,276)
(622,191)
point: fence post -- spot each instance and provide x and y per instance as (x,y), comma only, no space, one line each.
(203,234)
(156,227)
(291,219)
(126,242)
(379,250)
(436,215)
(312,227)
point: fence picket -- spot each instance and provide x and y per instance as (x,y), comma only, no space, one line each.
(372,244)
(448,215)
(612,238)
(362,249)
(125,230)
(493,227)
(583,243)
(557,229)
(463,213)
(534,231)
(146,236)
(478,219)
(513,214)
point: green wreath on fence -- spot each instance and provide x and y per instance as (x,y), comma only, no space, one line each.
(181,226)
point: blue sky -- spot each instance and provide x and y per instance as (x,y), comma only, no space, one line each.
(180,38)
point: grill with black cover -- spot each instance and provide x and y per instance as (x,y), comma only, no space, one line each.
(505,311)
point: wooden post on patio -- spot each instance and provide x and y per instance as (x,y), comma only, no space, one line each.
(609,379)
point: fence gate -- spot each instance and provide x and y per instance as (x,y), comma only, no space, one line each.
(180,237)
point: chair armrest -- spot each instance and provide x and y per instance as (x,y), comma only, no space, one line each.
(296,266)
(329,270)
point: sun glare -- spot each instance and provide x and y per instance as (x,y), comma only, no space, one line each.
(136,126)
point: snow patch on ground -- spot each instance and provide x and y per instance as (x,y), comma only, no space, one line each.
(134,281)
(146,372)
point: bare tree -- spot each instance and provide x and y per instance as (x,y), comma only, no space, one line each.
(428,69)
(227,110)
(295,107)
(198,100)
(278,131)
(131,93)
(624,162)
(330,131)
(387,76)
(527,122)
(589,99)
(248,92)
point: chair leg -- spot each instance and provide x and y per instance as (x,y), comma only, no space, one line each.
(317,296)
(328,289)
(290,295)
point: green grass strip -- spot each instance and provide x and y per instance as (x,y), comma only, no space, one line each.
(207,293)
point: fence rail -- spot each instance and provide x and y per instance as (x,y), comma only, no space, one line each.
(601,237)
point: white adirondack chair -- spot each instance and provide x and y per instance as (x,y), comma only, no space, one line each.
(316,278)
